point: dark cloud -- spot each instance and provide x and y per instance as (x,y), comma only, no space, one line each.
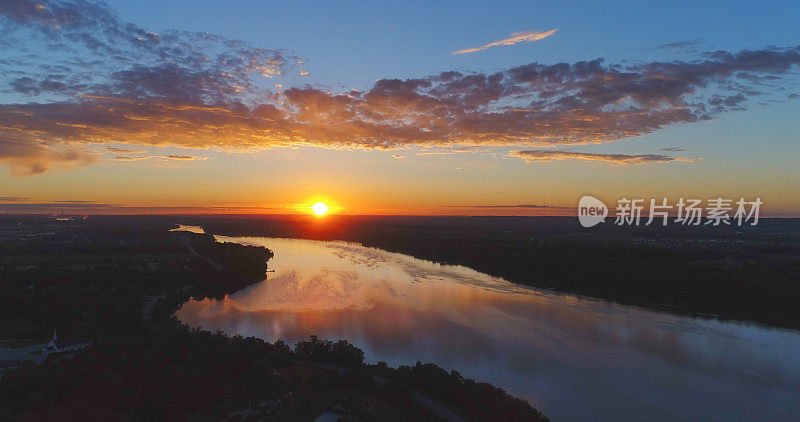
(680,45)
(80,208)
(128,85)
(96,52)
(535,206)
(674,149)
(13,199)
(543,155)
(28,85)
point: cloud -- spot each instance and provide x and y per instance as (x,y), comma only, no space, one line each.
(674,149)
(201,91)
(534,104)
(90,207)
(679,45)
(617,159)
(26,156)
(13,199)
(440,152)
(516,37)
(123,150)
(164,157)
(83,47)
(185,157)
(535,206)
(399,157)
(73,201)
(131,157)
(454,150)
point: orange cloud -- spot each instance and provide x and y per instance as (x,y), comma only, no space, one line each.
(27,157)
(540,155)
(164,157)
(185,157)
(131,157)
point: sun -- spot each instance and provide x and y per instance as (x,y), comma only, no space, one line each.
(320,208)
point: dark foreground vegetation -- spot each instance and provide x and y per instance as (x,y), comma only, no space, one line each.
(747,273)
(173,373)
(92,279)
(115,283)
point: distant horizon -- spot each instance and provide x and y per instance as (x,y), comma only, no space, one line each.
(565,214)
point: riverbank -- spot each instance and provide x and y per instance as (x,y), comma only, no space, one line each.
(143,364)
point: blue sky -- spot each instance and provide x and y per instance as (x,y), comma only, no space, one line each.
(352,44)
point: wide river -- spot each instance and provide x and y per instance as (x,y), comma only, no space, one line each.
(571,357)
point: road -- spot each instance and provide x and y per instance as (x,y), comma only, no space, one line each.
(195,253)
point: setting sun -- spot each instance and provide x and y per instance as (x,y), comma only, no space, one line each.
(320,208)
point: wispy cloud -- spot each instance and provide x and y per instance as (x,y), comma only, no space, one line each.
(90,207)
(543,155)
(399,157)
(73,201)
(522,206)
(453,150)
(674,149)
(516,37)
(185,157)
(131,157)
(123,150)
(13,198)
(685,45)
(163,157)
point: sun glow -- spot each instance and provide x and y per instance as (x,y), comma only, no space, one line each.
(320,208)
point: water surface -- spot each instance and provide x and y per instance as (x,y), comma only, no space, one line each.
(572,358)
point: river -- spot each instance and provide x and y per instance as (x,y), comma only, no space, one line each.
(573,358)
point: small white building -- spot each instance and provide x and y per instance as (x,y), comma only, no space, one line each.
(57,345)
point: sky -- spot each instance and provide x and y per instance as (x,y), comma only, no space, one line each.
(406,108)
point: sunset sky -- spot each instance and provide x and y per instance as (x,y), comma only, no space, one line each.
(408,108)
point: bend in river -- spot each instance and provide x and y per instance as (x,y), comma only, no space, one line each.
(573,358)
